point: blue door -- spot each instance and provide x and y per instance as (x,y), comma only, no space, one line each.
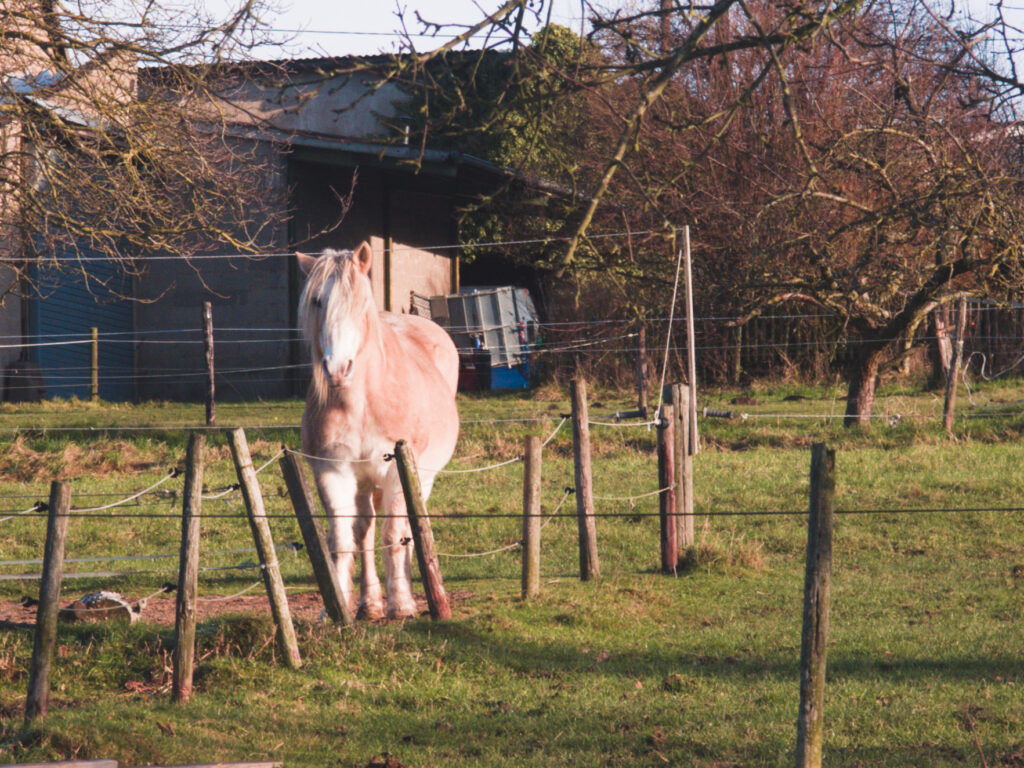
(64,308)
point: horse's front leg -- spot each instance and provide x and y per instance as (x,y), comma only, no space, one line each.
(337,487)
(371,600)
(397,536)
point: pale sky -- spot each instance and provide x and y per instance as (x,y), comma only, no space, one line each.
(361,27)
(347,27)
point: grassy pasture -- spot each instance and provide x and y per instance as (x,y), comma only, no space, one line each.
(925,658)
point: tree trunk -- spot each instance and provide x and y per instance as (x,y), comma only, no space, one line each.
(940,348)
(860,397)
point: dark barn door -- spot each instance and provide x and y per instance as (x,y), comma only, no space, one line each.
(64,307)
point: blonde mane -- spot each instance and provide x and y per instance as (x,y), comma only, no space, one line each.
(349,294)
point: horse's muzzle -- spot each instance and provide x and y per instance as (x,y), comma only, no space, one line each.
(339,377)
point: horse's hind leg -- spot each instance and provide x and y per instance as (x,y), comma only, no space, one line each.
(371,601)
(398,547)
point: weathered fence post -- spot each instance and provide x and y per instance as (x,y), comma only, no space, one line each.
(422,534)
(684,468)
(667,484)
(265,547)
(949,407)
(641,369)
(817,583)
(211,405)
(691,345)
(335,604)
(38,700)
(531,517)
(589,567)
(94,367)
(188,572)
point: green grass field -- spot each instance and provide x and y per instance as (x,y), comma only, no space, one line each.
(637,668)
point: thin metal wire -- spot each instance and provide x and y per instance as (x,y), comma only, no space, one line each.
(668,334)
(478,469)
(515,545)
(557,430)
(639,496)
(225,598)
(143,492)
(33,508)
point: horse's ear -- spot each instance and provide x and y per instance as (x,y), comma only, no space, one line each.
(364,257)
(306,262)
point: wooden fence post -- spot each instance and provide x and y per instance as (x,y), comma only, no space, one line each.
(188,572)
(684,467)
(94,367)
(265,547)
(589,566)
(691,345)
(531,517)
(817,583)
(38,700)
(949,407)
(422,534)
(641,369)
(667,484)
(335,604)
(211,405)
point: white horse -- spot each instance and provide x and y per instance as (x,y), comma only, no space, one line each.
(378,378)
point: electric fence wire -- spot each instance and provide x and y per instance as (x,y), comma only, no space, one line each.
(610,515)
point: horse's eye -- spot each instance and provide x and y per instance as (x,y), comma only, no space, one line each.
(317,302)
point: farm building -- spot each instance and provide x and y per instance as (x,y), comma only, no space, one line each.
(320,133)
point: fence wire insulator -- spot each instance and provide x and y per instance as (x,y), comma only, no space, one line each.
(569,490)
(389,457)
(176,472)
(42,506)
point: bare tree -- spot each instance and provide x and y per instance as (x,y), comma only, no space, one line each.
(108,146)
(859,157)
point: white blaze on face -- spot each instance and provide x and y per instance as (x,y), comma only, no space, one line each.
(339,335)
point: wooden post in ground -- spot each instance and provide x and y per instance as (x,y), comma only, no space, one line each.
(667,484)
(589,566)
(684,467)
(949,407)
(641,369)
(38,700)
(691,345)
(211,405)
(188,572)
(817,582)
(422,534)
(94,367)
(253,498)
(335,604)
(531,517)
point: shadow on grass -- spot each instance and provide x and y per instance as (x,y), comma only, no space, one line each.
(545,659)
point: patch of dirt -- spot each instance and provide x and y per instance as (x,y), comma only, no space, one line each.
(304,606)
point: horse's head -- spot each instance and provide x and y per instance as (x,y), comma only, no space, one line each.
(337,313)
